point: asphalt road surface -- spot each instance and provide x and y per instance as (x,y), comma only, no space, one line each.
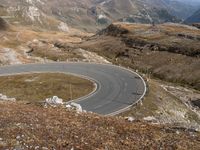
(116,88)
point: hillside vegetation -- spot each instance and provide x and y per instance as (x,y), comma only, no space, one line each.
(167,51)
(166,55)
(30,127)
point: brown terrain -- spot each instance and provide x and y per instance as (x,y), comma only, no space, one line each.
(58,128)
(167,55)
(88,15)
(28,45)
(168,51)
(3,24)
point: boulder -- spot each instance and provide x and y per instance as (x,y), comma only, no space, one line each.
(54,101)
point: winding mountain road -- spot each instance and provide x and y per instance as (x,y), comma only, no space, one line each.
(116,88)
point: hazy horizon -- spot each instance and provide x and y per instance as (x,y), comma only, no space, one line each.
(189,0)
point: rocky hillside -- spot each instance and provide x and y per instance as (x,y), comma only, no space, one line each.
(134,11)
(169,51)
(88,14)
(28,12)
(195,18)
(139,39)
(31,127)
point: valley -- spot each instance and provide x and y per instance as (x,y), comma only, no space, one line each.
(158,40)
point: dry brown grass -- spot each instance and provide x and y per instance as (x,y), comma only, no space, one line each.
(164,107)
(38,87)
(49,50)
(22,35)
(29,127)
(171,28)
(18,39)
(132,27)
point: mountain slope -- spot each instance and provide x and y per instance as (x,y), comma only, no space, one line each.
(31,127)
(180,8)
(28,12)
(167,51)
(195,18)
(136,11)
(87,14)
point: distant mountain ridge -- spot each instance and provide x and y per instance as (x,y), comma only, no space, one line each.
(89,15)
(195,18)
(182,8)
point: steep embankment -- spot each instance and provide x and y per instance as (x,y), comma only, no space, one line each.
(170,51)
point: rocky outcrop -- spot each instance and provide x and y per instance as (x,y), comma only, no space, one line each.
(114,30)
(197,25)
(3,24)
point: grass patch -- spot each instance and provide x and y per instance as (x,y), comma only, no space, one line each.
(38,87)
